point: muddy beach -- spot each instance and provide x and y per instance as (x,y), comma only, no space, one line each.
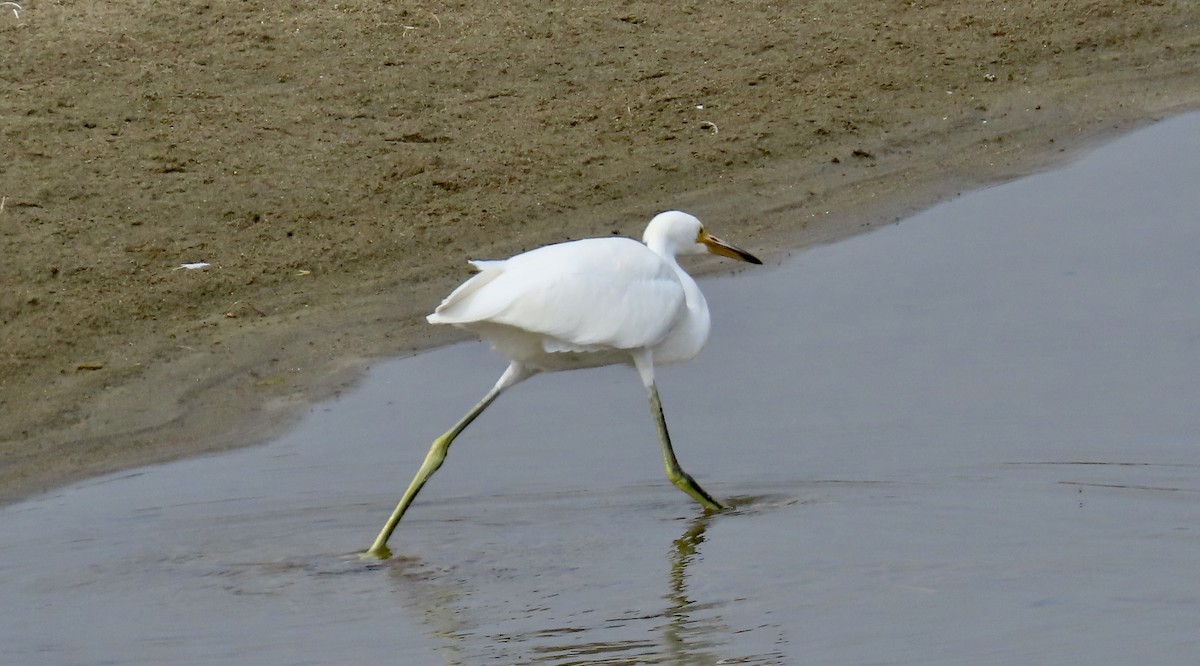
(335,166)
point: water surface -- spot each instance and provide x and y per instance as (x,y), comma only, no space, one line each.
(971,437)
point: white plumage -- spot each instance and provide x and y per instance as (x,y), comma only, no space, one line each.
(587,296)
(584,304)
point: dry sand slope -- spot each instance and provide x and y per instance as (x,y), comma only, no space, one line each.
(336,164)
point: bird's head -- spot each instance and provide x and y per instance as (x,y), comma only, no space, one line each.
(674,232)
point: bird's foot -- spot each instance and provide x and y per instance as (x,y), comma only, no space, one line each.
(376,553)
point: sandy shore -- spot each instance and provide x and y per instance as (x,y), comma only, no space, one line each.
(337,165)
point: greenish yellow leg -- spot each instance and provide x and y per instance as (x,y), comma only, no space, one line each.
(434,459)
(675,472)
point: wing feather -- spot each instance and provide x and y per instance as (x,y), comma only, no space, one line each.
(606,293)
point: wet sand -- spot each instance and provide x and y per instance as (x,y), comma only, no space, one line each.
(337,165)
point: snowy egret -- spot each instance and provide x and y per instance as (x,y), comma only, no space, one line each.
(584,304)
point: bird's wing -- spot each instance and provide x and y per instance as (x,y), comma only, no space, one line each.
(484,264)
(592,294)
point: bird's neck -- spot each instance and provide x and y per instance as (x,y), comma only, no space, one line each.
(689,335)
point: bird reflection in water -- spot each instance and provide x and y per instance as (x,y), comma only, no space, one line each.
(467,614)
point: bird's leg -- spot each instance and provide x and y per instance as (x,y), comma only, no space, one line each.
(675,472)
(437,454)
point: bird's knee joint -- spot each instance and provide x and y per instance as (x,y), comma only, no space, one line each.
(435,457)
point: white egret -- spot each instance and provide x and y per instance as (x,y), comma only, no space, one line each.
(584,304)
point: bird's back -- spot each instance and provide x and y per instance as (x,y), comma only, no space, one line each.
(587,296)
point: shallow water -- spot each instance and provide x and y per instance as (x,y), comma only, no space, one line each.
(968,438)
